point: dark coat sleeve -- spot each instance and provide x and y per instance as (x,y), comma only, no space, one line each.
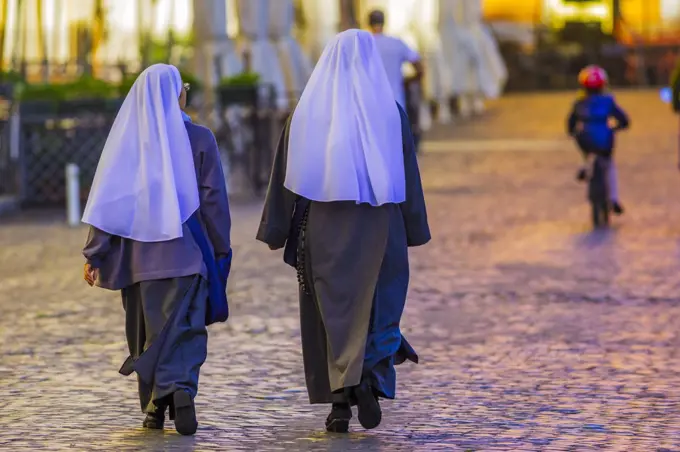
(622,120)
(277,214)
(214,200)
(97,246)
(572,121)
(413,209)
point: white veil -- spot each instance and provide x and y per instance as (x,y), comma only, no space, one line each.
(345,139)
(145,186)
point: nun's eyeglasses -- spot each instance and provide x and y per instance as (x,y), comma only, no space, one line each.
(187,87)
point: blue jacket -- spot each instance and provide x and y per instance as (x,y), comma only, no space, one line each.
(588,122)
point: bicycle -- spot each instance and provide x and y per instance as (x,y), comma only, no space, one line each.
(598,191)
(599,162)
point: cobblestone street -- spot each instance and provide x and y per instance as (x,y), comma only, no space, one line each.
(535,333)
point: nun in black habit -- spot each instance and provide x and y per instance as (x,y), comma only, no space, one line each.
(345,199)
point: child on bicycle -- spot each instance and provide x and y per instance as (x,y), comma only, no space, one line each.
(590,124)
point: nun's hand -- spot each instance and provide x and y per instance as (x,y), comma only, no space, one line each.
(91,274)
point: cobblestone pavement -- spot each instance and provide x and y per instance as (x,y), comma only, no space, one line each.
(535,333)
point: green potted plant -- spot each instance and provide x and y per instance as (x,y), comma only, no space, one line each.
(85,93)
(41,99)
(13,83)
(239,89)
(88,93)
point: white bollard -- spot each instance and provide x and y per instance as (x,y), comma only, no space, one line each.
(444,115)
(14,136)
(478,105)
(72,194)
(465,106)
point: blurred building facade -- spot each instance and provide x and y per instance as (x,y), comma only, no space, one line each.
(281,37)
(62,30)
(642,20)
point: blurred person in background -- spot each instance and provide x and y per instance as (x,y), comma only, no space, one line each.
(345,200)
(589,123)
(159,232)
(394,53)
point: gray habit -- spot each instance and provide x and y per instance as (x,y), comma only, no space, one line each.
(163,284)
(123,262)
(356,276)
(166,335)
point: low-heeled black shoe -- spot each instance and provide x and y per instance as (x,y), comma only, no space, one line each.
(338,420)
(155,420)
(582,175)
(617,208)
(184,413)
(370,413)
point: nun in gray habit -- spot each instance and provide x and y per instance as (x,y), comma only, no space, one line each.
(345,200)
(156,172)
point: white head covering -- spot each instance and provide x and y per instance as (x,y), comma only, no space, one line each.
(145,186)
(345,135)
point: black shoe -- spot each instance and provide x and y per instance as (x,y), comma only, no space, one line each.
(617,208)
(184,413)
(155,420)
(338,420)
(369,414)
(582,175)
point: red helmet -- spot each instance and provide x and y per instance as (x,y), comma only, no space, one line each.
(592,77)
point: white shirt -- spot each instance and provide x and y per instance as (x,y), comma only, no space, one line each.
(395,53)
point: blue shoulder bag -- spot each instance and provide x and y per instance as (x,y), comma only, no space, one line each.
(218,273)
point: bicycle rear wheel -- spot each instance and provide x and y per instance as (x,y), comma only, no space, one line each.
(595,214)
(604,209)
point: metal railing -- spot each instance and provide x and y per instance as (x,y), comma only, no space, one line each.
(9,153)
(49,136)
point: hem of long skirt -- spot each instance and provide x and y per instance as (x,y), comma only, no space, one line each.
(404,353)
(344,399)
(163,398)
(381,393)
(388,391)
(333,397)
(340,397)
